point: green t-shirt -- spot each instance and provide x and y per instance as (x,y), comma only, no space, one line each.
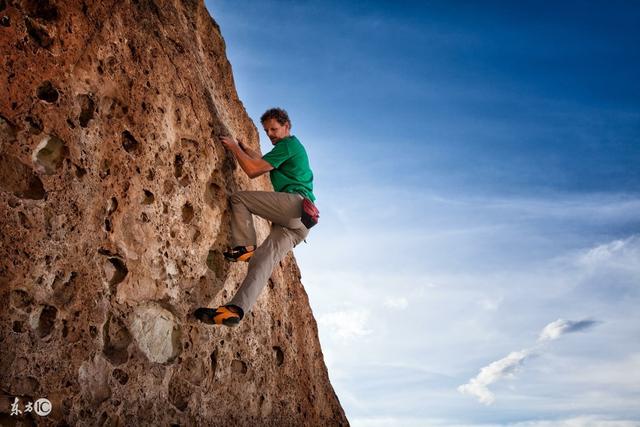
(291,172)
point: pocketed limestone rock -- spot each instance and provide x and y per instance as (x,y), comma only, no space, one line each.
(114,215)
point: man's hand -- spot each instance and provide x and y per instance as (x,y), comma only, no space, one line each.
(249,160)
(229,143)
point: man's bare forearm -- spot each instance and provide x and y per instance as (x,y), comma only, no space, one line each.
(252,153)
(253,167)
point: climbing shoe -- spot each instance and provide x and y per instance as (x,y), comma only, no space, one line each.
(228,315)
(239,253)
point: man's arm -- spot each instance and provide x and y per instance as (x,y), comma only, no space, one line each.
(252,153)
(253,167)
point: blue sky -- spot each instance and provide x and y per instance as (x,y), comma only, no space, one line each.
(476,167)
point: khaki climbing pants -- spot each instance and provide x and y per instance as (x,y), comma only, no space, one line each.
(287,230)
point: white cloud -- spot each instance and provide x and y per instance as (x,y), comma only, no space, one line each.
(503,368)
(470,265)
(509,365)
(555,330)
(622,253)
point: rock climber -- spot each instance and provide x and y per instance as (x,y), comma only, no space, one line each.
(292,180)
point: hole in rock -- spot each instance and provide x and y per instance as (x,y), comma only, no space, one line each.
(50,154)
(42,9)
(279,356)
(179,393)
(47,92)
(64,289)
(214,362)
(129,143)
(107,225)
(35,125)
(87,108)
(105,169)
(7,129)
(112,205)
(121,376)
(34,191)
(187,213)
(178,163)
(148,197)
(47,320)
(189,143)
(116,339)
(39,34)
(21,299)
(215,195)
(119,271)
(80,171)
(18,326)
(238,366)
(19,179)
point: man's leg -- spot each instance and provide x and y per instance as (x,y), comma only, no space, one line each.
(279,242)
(280,208)
(287,230)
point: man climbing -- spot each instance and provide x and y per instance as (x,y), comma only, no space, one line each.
(292,180)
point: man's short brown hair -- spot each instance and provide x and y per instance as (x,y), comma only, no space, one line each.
(279,114)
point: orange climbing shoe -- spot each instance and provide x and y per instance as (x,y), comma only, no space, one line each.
(239,253)
(228,315)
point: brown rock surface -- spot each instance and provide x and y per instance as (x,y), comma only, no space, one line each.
(114,213)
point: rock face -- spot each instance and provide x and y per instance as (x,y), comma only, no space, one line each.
(114,214)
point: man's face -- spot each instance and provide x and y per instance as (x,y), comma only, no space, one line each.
(275,131)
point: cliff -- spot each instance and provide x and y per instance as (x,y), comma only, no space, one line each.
(114,214)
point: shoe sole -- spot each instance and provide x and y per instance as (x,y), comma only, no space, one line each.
(242,258)
(232,323)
